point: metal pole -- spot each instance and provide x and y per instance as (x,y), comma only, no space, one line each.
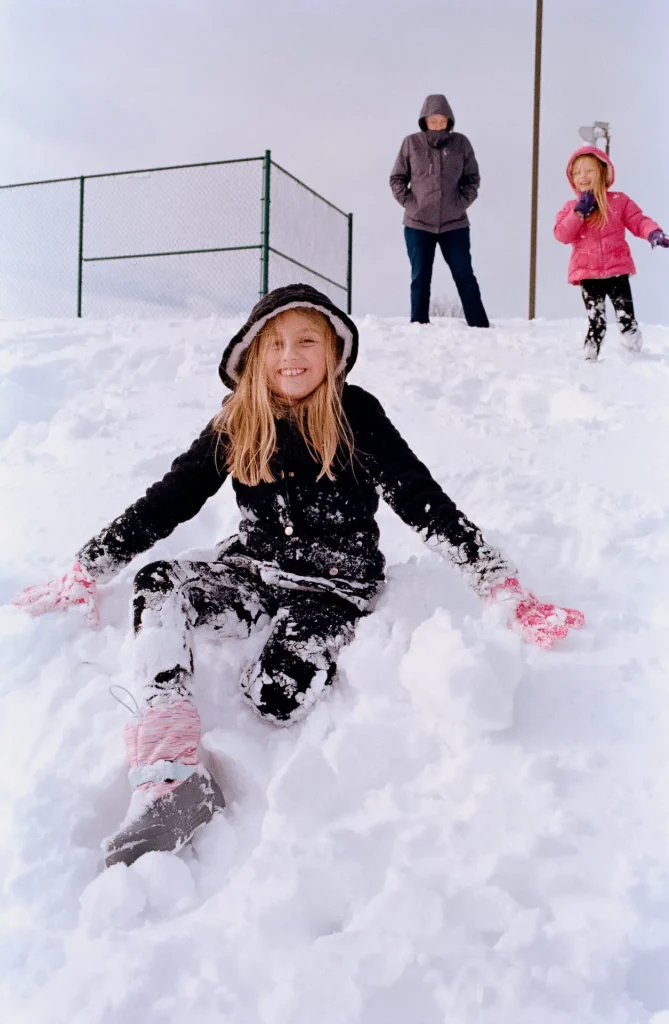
(80,272)
(349,268)
(264,255)
(535,159)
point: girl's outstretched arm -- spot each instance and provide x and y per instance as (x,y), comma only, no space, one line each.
(636,221)
(193,478)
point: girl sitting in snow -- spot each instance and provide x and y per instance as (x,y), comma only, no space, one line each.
(308,456)
(601,262)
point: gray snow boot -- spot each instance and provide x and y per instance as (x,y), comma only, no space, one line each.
(167,822)
(173,795)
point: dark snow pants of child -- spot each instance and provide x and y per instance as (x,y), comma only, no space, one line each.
(594,291)
(297,664)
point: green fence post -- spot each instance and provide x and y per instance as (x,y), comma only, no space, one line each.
(80,272)
(349,268)
(264,258)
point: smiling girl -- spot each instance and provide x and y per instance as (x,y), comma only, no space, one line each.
(601,262)
(309,456)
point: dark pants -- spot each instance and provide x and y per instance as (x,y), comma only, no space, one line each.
(455,248)
(295,667)
(594,292)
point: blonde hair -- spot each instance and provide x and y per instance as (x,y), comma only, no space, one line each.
(247,422)
(601,214)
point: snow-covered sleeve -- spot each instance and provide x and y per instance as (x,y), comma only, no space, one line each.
(568,225)
(400,176)
(409,488)
(636,221)
(193,478)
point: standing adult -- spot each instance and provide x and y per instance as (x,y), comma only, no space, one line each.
(436,178)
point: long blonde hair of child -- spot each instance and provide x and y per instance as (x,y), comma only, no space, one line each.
(247,422)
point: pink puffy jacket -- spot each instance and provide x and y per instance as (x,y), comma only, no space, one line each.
(601,251)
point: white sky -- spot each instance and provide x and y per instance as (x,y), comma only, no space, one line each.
(332,89)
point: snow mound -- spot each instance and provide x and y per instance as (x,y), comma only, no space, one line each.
(466,830)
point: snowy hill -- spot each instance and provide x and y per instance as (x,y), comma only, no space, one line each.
(468,830)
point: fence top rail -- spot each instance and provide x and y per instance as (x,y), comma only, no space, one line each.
(313,191)
(46,181)
(146,170)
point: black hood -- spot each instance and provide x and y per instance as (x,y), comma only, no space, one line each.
(292,296)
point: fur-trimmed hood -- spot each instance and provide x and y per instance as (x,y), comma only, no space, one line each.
(598,154)
(292,296)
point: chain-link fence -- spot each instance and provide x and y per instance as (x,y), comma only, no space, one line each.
(191,240)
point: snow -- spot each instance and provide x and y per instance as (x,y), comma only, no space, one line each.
(466,829)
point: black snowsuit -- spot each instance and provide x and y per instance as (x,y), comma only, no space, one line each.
(594,292)
(307,552)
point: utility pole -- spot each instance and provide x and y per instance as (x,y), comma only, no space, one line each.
(535,158)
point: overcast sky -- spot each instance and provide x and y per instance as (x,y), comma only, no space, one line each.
(331,89)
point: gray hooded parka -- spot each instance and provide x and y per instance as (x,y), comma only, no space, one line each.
(435,177)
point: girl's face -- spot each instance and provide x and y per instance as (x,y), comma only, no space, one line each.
(296,357)
(585,173)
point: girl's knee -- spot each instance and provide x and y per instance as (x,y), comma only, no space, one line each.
(155,578)
(152,584)
(283,697)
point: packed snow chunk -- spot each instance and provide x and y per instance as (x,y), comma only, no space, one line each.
(116,899)
(167,882)
(462,686)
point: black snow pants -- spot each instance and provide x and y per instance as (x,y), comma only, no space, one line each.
(594,292)
(298,662)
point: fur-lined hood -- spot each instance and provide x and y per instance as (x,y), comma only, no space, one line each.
(600,155)
(292,296)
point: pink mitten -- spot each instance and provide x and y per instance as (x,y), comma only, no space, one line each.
(536,622)
(75,587)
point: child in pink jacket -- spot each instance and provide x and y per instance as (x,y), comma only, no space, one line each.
(601,262)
